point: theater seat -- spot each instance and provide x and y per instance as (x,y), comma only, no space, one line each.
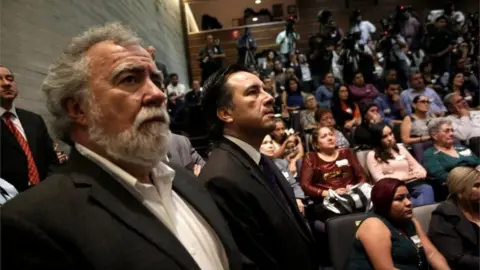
(423,214)
(341,234)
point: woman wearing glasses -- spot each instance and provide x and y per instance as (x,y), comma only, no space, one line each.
(444,156)
(390,237)
(414,130)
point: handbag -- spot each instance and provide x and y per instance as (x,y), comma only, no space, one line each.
(357,199)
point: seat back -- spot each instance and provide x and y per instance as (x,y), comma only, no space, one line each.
(341,235)
(423,214)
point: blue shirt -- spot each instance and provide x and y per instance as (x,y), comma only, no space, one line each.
(387,108)
(409,94)
(324,96)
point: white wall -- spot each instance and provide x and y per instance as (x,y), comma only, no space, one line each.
(33,33)
(226,10)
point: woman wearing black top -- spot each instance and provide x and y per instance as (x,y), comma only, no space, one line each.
(344,109)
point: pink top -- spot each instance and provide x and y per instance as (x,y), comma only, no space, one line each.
(403,167)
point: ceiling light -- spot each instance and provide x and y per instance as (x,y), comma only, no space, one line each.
(258,1)
(254,19)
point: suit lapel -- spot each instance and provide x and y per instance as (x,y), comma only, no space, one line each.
(115,199)
(260,178)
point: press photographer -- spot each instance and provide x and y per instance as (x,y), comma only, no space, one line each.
(287,39)
(246,46)
(355,58)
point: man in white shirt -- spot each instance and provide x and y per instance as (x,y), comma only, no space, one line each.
(115,205)
(466,123)
(287,39)
(175,90)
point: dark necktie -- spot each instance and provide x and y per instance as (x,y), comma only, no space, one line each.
(272,180)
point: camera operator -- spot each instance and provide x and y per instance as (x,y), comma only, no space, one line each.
(410,27)
(328,30)
(211,58)
(287,39)
(440,43)
(356,57)
(394,48)
(246,46)
(365,28)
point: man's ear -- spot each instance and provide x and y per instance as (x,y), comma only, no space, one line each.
(75,112)
(225,115)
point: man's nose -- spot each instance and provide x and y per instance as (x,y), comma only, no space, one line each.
(154,96)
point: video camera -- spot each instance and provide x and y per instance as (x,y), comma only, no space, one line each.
(351,39)
(289,26)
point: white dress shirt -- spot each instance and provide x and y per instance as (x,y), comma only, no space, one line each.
(15,120)
(251,152)
(466,127)
(195,234)
(176,90)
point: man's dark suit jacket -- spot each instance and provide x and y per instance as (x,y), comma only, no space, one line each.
(455,237)
(82,218)
(13,164)
(163,68)
(266,231)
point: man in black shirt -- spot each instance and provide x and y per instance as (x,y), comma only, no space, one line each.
(440,44)
(211,58)
(194,97)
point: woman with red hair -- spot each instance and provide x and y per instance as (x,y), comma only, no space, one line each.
(390,238)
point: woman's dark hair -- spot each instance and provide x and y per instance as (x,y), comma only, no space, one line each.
(336,98)
(423,65)
(452,77)
(276,120)
(383,193)
(415,101)
(376,132)
(287,86)
(320,112)
(315,134)
(217,94)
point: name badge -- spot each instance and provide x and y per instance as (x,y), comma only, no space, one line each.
(343,162)
(368,90)
(285,174)
(400,157)
(465,152)
(215,50)
(416,240)
(468,98)
(387,111)
(349,111)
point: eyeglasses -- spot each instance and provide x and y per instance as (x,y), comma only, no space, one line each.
(424,101)
(447,130)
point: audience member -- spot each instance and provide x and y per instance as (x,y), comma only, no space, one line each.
(390,104)
(160,66)
(418,88)
(364,27)
(414,128)
(280,77)
(455,224)
(181,152)
(305,74)
(444,156)
(292,97)
(457,85)
(440,44)
(390,75)
(175,90)
(345,111)
(390,237)
(389,160)
(270,88)
(362,92)
(287,39)
(329,168)
(115,188)
(211,58)
(466,123)
(283,165)
(27,153)
(410,29)
(266,66)
(370,116)
(324,93)
(194,97)
(307,116)
(287,146)
(325,118)
(257,202)
(431,80)
(246,47)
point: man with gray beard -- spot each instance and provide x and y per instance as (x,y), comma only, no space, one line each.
(115,205)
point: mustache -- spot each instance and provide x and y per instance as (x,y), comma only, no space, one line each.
(152,114)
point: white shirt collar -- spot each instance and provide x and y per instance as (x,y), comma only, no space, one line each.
(12,110)
(162,175)
(251,152)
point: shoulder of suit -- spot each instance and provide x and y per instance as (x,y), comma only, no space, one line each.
(25,112)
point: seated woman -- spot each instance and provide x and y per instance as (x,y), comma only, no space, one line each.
(268,150)
(414,131)
(346,112)
(307,116)
(287,147)
(444,156)
(329,168)
(389,160)
(325,118)
(370,116)
(292,97)
(455,224)
(456,83)
(390,237)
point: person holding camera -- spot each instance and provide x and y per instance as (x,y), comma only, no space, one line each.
(287,39)
(366,28)
(246,46)
(211,58)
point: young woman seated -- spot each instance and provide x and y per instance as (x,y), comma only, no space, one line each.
(455,224)
(390,237)
(345,111)
(389,160)
(329,168)
(287,147)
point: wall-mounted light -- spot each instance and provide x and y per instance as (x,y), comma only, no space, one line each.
(254,19)
(258,1)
